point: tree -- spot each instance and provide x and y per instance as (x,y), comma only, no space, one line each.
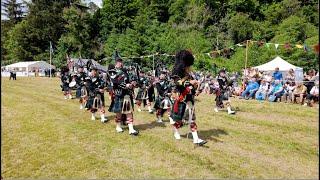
(240,28)
(118,15)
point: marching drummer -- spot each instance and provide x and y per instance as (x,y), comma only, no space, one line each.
(82,92)
(65,79)
(95,86)
(163,102)
(143,95)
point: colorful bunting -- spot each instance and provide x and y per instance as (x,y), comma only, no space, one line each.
(267,45)
(276,45)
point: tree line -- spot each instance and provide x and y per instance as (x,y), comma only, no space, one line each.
(143,27)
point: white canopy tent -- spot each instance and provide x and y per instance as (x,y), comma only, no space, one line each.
(283,66)
(24,68)
(83,62)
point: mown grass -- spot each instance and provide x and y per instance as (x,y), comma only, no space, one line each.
(44,135)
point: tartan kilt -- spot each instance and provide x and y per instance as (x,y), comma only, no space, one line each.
(151,94)
(90,101)
(140,94)
(65,87)
(181,111)
(157,103)
(117,104)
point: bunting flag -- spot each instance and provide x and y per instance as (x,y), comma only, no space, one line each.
(287,46)
(276,45)
(267,45)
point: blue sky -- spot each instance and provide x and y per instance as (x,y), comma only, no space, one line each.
(97,2)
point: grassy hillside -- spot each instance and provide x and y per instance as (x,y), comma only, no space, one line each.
(44,135)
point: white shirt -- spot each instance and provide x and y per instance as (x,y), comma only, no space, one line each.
(264,87)
(314,90)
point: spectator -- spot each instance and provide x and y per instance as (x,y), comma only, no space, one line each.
(299,91)
(262,91)
(290,77)
(268,77)
(277,75)
(14,75)
(314,95)
(11,75)
(288,90)
(251,89)
(277,90)
(310,78)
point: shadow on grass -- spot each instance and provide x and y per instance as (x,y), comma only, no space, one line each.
(151,125)
(209,135)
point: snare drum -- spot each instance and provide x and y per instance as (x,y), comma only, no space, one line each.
(72,84)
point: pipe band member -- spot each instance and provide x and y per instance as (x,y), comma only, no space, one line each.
(95,86)
(65,80)
(82,92)
(163,101)
(222,93)
(143,95)
(184,86)
(123,97)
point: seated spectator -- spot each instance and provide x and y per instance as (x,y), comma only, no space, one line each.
(310,79)
(268,77)
(290,77)
(299,91)
(313,96)
(277,75)
(262,91)
(276,91)
(251,89)
(288,90)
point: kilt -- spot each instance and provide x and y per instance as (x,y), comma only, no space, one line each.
(158,101)
(186,114)
(117,104)
(89,104)
(151,94)
(140,94)
(181,111)
(65,87)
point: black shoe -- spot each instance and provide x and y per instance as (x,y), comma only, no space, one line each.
(201,143)
(135,133)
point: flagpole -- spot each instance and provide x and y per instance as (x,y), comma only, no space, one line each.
(50,60)
(153,65)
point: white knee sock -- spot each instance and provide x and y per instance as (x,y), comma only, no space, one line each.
(131,130)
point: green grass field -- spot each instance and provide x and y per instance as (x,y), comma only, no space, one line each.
(44,135)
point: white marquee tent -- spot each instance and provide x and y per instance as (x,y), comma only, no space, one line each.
(283,66)
(26,68)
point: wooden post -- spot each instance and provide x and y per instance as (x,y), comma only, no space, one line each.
(245,64)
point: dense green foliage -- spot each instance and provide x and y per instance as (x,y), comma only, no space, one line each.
(144,27)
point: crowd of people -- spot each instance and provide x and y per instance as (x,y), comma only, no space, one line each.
(173,92)
(277,87)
